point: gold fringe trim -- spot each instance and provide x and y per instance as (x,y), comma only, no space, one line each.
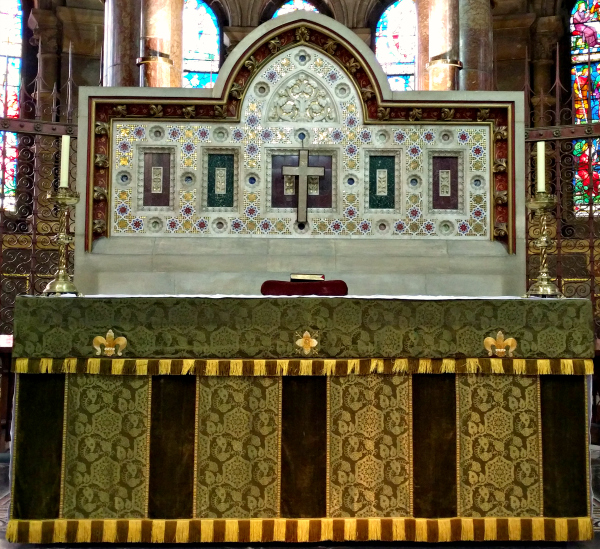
(229,530)
(303,367)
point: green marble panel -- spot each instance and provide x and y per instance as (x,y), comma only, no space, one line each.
(214,199)
(387,201)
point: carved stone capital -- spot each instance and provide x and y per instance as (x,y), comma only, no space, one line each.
(44,25)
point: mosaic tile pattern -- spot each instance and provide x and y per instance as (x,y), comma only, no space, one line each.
(303,99)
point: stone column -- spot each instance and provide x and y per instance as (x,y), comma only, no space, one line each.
(155,44)
(476,45)
(121,42)
(444,42)
(176,43)
(422,75)
(44,25)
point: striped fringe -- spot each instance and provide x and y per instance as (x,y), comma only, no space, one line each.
(306,367)
(299,530)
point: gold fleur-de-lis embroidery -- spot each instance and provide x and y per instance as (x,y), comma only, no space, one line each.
(109,343)
(307,343)
(499,345)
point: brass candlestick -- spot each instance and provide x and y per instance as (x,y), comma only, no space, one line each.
(62,284)
(542,204)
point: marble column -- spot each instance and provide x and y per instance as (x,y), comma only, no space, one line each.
(476,45)
(422,75)
(444,39)
(176,43)
(155,44)
(121,42)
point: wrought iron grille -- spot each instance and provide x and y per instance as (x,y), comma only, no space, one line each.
(553,118)
(28,253)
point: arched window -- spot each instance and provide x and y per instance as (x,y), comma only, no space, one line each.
(201,45)
(295,5)
(396,44)
(11,23)
(585,79)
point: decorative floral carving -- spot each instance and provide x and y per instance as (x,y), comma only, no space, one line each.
(330,46)
(499,165)
(220,111)
(99,226)
(156,111)
(302,34)
(383,113)
(415,114)
(303,100)
(483,115)
(367,93)
(120,110)
(275,45)
(251,64)
(447,114)
(99,193)
(102,128)
(352,65)
(501,132)
(236,90)
(101,160)
(189,111)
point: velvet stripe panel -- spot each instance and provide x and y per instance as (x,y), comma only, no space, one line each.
(299,458)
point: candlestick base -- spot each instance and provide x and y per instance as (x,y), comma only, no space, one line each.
(62,284)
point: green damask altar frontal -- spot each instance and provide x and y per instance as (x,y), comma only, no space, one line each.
(419,436)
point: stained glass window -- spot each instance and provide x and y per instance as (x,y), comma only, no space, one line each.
(396,44)
(201,45)
(294,5)
(585,79)
(11,20)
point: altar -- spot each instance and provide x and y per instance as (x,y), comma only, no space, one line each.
(240,419)
(146,412)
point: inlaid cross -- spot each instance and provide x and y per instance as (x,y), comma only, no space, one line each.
(303,171)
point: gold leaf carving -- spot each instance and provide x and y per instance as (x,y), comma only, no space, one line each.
(483,114)
(383,113)
(302,34)
(220,111)
(102,128)
(189,111)
(499,165)
(500,230)
(156,111)
(447,114)
(275,45)
(500,132)
(101,160)
(120,110)
(236,90)
(251,64)
(352,65)
(330,46)
(110,344)
(367,93)
(415,114)
(501,197)
(99,193)
(99,226)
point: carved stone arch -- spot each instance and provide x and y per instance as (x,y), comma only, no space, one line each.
(226,11)
(271,6)
(301,97)
(330,38)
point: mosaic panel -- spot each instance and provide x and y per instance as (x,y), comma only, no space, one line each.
(303,99)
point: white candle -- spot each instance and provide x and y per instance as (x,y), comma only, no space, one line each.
(541,167)
(64,161)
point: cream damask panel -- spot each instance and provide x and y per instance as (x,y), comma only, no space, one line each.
(369,446)
(106,447)
(238,432)
(500,454)
(303,99)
